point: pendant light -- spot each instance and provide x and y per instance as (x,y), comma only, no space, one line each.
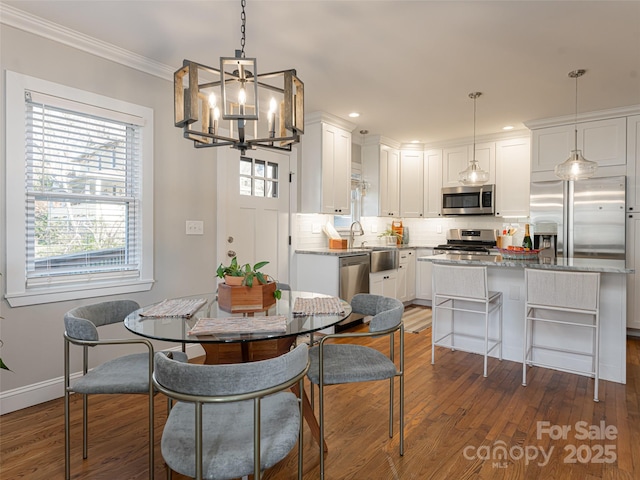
(576,167)
(473,174)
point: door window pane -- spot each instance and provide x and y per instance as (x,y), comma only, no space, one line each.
(258,178)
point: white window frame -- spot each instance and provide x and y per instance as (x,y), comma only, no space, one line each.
(18,294)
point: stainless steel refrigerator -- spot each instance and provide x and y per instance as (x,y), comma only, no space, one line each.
(589,216)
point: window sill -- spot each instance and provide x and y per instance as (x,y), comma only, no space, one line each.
(37,296)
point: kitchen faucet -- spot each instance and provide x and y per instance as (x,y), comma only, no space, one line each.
(361,232)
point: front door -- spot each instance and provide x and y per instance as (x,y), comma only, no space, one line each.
(253,209)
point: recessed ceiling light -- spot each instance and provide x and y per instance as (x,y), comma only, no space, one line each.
(508,127)
(354,114)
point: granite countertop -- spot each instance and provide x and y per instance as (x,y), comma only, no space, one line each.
(347,252)
(582,264)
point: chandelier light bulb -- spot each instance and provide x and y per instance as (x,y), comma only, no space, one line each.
(272,116)
(212,100)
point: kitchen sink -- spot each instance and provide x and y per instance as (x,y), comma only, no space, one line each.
(384,259)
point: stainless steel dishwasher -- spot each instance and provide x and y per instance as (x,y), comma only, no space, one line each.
(354,278)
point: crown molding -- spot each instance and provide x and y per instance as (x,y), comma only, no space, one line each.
(326,117)
(584,117)
(21,20)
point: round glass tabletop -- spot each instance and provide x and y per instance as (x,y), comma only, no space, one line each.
(176,328)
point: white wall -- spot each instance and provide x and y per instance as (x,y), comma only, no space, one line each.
(184,183)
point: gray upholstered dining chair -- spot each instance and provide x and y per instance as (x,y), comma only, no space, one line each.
(122,375)
(337,363)
(231,420)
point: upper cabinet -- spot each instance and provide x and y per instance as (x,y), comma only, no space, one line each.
(326,165)
(432,182)
(412,183)
(381,171)
(456,159)
(633,164)
(602,141)
(513,177)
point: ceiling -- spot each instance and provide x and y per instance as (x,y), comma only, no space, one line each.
(406,66)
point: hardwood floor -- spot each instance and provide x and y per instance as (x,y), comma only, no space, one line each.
(455,419)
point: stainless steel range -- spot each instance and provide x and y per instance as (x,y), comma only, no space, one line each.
(468,242)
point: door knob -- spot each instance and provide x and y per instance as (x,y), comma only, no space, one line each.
(231,254)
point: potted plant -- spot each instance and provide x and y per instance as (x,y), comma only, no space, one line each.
(246,288)
(236,274)
(3,366)
(391,237)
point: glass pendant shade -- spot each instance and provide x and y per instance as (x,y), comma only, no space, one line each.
(473,175)
(576,167)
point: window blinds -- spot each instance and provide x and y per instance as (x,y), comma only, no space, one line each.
(83,191)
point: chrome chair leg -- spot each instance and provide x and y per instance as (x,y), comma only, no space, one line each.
(67,432)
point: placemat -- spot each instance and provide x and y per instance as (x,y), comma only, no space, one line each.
(318,306)
(209,326)
(175,308)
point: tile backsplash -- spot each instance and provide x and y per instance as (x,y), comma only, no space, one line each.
(426,232)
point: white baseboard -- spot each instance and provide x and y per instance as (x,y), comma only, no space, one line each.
(41,392)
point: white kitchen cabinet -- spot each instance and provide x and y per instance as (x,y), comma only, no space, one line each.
(633,164)
(389,182)
(318,273)
(384,283)
(633,282)
(456,159)
(406,282)
(602,141)
(411,183)
(513,176)
(381,172)
(326,165)
(433,183)
(423,275)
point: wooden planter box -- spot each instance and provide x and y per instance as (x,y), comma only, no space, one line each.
(242,299)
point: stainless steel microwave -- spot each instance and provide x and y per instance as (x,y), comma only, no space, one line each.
(468,200)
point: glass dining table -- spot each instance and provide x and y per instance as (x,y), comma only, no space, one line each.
(236,347)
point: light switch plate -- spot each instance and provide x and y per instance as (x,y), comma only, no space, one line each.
(195,227)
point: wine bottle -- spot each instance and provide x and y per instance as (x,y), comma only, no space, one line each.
(526,241)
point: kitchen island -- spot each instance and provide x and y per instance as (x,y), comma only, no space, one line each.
(507,276)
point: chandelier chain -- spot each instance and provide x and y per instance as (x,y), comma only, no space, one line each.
(243,28)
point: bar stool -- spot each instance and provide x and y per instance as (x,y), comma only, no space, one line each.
(565,306)
(464,290)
